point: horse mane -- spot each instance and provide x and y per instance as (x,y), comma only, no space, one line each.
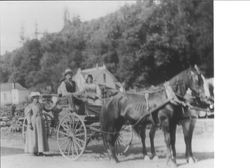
(178,82)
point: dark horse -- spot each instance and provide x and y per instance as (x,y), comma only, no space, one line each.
(154,108)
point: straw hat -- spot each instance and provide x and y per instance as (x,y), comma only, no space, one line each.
(34,94)
(68,71)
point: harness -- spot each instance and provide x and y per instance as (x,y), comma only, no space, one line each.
(151,112)
(172,98)
(146,95)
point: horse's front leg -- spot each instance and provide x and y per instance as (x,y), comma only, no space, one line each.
(166,131)
(152,136)
(110,144)
(188,128)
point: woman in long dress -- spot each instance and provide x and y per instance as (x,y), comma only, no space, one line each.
(36,136)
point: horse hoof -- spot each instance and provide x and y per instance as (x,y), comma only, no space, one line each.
(191,160)
(155,158)
(171,164)
(146,158)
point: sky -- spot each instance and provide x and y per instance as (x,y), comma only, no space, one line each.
(47,15)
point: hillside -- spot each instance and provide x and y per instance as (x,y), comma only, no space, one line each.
(142,44)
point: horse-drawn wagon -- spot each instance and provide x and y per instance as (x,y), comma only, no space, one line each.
(75,129)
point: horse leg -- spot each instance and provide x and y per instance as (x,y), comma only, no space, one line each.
(110,138)
(166,131)
(110,145)
(143,137)
(151,136)
(172,140)
(188,128)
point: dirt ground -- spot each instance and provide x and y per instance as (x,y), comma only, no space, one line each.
(12,154)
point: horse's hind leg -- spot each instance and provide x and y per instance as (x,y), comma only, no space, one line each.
(188,128)
(151,136)
(143,137)
(172,140)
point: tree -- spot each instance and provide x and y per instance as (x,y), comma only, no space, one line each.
(143,44)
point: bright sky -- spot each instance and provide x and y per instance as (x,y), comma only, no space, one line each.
(47,15)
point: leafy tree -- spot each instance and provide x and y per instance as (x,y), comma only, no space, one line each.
(142,44)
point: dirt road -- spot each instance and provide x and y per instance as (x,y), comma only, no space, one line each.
(95,156)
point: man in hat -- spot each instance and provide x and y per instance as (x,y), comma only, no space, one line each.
(69,88)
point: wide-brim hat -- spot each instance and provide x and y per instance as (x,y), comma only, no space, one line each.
(34,94)
(68,71)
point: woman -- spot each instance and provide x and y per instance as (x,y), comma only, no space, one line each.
(92,91)
(36,136)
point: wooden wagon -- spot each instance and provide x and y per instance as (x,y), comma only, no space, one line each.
(75,130)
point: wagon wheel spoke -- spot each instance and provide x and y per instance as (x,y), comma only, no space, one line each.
(73,123)
(78,130)
(63,133)
(69,122)
(69,148)
(78,146)
(78,127)
(80,134)
(72,149)
(79,140)
(77,122)
(65,143)
(75,147)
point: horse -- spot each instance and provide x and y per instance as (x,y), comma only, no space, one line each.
(134,108)
(187,119)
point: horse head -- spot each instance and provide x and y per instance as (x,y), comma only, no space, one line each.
(199,86)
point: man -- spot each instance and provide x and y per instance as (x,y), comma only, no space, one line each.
(68,88)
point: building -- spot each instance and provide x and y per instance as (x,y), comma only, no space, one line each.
(12,93)
(101,76)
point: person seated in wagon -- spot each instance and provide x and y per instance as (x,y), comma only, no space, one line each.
(68,88)
(92,91)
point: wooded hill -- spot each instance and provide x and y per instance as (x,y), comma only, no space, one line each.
(142,44)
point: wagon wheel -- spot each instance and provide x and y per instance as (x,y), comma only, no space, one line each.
(71,136)
(124,139)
